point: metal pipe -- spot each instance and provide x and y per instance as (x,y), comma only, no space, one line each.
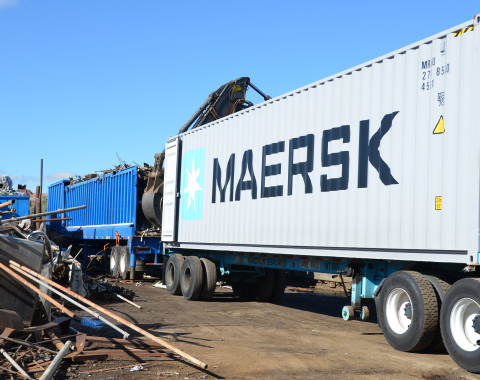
(41,182)
(36,290)
(51,220)
(28,344)
(8,203)
(52,368)
(59,211)
(43,281)
(37,205)
(184,355)
(265,97)
(14,363)
(60,339)
(128,301)
(196,114)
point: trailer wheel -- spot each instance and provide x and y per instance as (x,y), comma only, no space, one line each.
(172,274)
(264,288)
(124,263)
(441,287)
(191,279)
(209,278)
(408,311)
(279,282)
(114,256)
(460,323)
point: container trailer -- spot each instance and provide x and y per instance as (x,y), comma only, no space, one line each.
(372,173)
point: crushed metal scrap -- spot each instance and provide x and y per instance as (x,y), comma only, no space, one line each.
(38,352)
(143,173)
(6,187)
(30,345)
(104,291)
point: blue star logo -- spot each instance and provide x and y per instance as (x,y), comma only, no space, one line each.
(191,198)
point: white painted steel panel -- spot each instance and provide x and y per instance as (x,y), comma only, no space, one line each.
(394,218)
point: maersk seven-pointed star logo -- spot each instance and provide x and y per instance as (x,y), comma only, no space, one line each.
(191,200)
(192,185)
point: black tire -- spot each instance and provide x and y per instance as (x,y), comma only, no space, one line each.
(265,286)
(209,279)
(173,272)
(407,311)
(441,287)
(114,257)
(124,263)
(279,282)
(461,303)
(191,279)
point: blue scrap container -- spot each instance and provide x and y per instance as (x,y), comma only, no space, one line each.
(113,216)
(21,205)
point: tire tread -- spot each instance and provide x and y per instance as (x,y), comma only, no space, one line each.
(209,279)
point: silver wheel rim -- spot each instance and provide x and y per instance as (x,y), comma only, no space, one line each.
(112,262)
(461,324)
(122,264)
(395,310)
(170,274)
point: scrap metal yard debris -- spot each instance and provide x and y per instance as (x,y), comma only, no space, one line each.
(38,352)
(36,309)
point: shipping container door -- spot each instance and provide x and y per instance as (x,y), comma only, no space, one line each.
(169,218)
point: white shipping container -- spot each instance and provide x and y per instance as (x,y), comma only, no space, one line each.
(380,161)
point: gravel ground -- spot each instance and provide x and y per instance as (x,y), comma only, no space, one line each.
(302,337)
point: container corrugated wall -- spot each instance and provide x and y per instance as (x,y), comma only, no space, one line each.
(56,201)
(110,199)
(392,187)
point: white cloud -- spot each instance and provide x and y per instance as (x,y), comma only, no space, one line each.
(22,179)
(60,175)
(8,3)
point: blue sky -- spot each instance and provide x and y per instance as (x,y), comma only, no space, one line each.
(83,81)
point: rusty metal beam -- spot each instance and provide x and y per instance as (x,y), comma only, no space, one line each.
(51,220)
(36,290)
(8,203)
(184,355)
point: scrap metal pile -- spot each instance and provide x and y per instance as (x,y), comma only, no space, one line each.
(143,173)
(35,332)
(38,352)
(6,186)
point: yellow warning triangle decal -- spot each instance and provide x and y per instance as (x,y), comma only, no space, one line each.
(440,128)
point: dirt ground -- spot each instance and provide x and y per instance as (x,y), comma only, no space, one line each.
(303,337)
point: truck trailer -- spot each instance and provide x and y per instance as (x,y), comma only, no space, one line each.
(113,226)
(372,173)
